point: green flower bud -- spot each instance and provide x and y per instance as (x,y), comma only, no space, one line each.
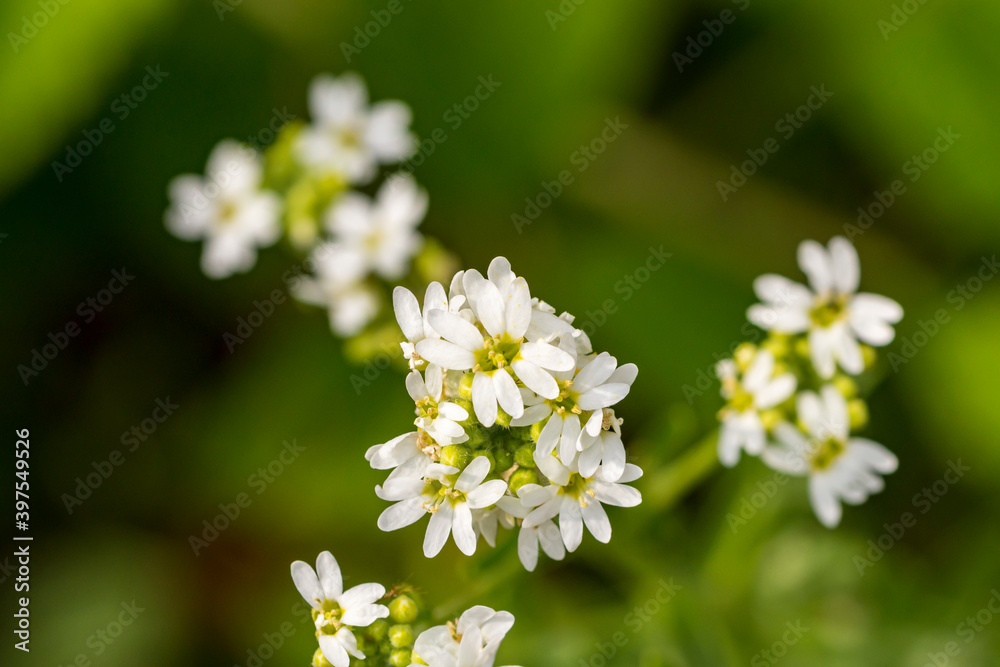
(525,456)
(476,433)
(504,460)
(403,609)
(777,344)
(503,419)
(402,657)
(770,419)
(378,629)
(846,386)
(521,477)
(401,636)
(536,429)
(744,355)
(802,348)
(857,411)
(457,456)
(319,660)
(465,387)
(869,354)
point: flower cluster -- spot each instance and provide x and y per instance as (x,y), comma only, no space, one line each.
(514,421)
(793,400)
(303,186)
(366,625)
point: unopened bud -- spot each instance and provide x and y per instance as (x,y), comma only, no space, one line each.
(525,456)
(456,456)
(521,477)
(403,609)
(744,355)
(401,636)
(857,411)
(402,658)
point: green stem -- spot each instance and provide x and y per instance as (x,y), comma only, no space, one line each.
(664,488)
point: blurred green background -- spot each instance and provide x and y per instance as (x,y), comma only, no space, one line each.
(655,185)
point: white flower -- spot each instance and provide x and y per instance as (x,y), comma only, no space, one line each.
(227,209)
(349,138)
(453,513)
(758,389)
(338,286)
(598,385)
(835,317)
(545,534)
(438,418)
(450,505)
(414,325)
(382,231)
(337,610)
(471,642)
(498,352)
(839,467)
(576,500)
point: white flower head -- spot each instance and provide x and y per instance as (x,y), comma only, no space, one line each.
(577,500)
(336,611)
(347,136)
(414,323)
(494,346)
(381,231)
(227,208)
(840,468)
(338,284)
(759,388)
(830,310)
(472,641)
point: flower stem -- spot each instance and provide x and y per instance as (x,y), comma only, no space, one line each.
(666,487)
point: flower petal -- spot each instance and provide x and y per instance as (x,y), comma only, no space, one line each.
(446,354)
(507,393)
(484,399)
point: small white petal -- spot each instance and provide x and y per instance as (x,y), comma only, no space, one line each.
(438,529)
(815,263)
(457,330)
(539,381)
(846,269)
(507,393)
(408,314)
(446,354)
(547,356)
(484,399)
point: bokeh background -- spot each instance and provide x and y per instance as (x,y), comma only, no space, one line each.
(161,338)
